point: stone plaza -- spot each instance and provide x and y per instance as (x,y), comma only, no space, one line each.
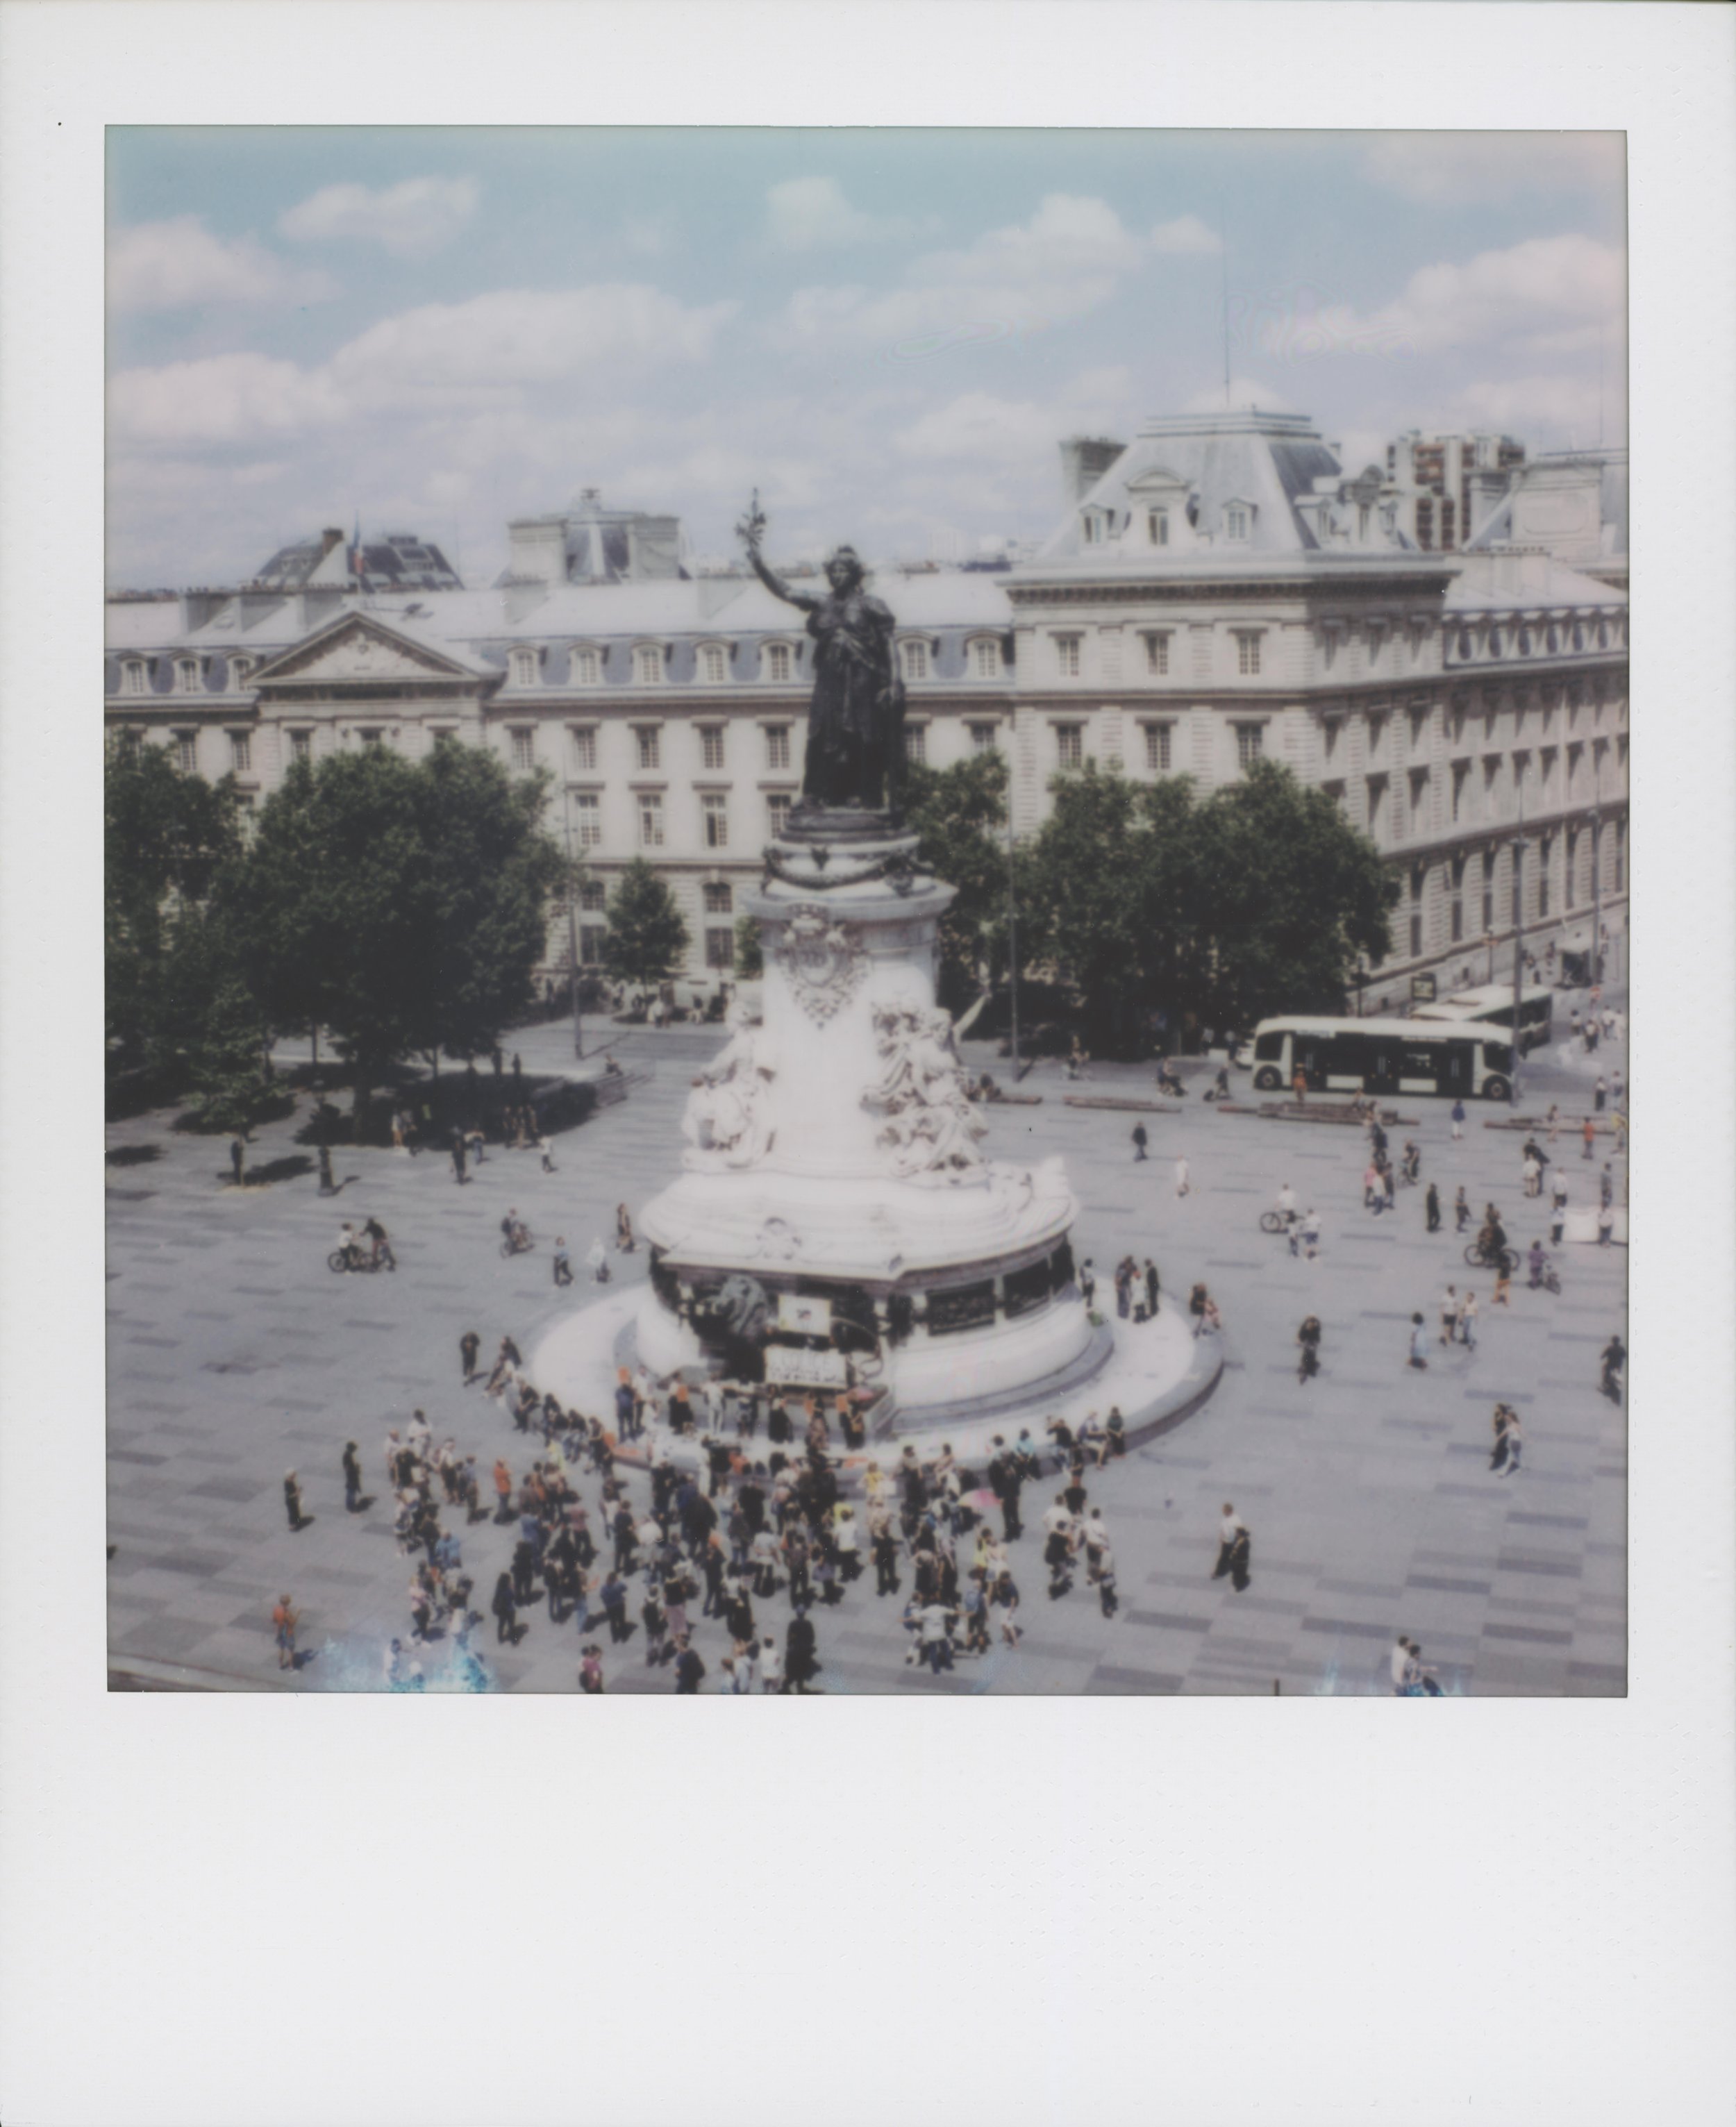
(234,1355)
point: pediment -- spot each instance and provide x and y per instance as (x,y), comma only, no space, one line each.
(357,649)
(1158,480)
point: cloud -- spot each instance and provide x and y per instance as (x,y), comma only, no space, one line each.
(1186,234)
(221,399)
(1069,258)
(176,264)
(806,213)
(488,353)
(981,427)
(1542,284)
(1462,169)
(411,218)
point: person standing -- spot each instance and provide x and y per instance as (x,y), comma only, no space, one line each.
(1600,1094)
(469,1345)
(1605,1225)
(1235,1549)
(1183,1183)
(1307,1339)
(284,1622)
(1461,1210)
(689,1669)
(1124,1288)
(1610,1360)
(1432,1209)
(1498,1452)
(1588,1139)
(801,1663)
(458,1156)
(1515,1445)
(292,1503)
(1419,1344)
(563,1261)
(238,1159)
(1467,1320)
(1606,1185)
(1150,1288)
(1300,1087)
(1139,1142)
(596,1258)
(352,1478)
(1458,1121)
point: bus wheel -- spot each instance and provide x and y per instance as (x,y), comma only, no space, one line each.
(1266,1081)
(1496,1089)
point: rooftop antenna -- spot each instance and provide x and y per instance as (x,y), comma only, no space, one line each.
(1224,285)
(1599,386)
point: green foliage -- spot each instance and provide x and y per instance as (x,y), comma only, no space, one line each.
(1255,901)
(228,1059)
(401,904)
(646,940)
(749,951)
(168,839)
(1290,893)
(960,814)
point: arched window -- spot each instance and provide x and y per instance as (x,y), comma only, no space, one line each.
(779,660)
(915,655)
(648,664)
(524,668)
(587,665)
(713,664)
(985,658)
(133,676)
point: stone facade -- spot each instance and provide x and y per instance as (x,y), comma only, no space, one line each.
(1218,591)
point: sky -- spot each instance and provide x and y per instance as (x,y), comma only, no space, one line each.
(886,332)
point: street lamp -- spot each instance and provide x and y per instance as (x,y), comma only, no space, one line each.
(1596,866)
(1012,937)
(572,918)
(1488,939)
(1518,941)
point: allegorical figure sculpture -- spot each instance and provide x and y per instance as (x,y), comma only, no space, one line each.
(930,1127)
(855,730)
(727,1120)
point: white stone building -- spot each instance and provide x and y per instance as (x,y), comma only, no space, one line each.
(1218,591)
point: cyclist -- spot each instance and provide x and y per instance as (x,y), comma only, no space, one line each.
(513,1227)
(1492,1238)
(1288,1212)
(1537,1262)
(349,1246)
(374,1233)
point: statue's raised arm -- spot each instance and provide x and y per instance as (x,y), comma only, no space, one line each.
(751,531)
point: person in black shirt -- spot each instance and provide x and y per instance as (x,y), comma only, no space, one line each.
(352,1497)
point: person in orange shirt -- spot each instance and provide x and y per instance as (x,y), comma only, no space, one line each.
(284,1619)
(1589,1134)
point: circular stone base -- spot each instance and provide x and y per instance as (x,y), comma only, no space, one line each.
(1158,1372)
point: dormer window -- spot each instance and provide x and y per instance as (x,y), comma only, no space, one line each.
(524,668)
(187,675)
(648,664)
(587,667)
(240,669)
(713,664)
(1098,524)
(778,662)
(985,658)
(1236,519)
(132,676)
(1157,526)
(915,660)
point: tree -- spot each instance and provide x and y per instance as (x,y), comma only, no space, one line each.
(402,904)
(1107,901)
(1288,894)
(167,838)
(228,1059)
(646,940)
(749,950)
(960,814)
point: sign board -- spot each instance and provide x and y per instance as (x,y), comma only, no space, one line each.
(788,1364)
(801,1314)
(1422,989)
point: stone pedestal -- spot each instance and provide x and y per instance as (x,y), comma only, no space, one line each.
(836,1222)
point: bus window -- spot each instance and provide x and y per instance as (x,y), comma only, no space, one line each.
(1457,1073)
(1497,1056)
(1268,1049)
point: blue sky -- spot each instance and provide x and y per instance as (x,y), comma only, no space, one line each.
(887,331)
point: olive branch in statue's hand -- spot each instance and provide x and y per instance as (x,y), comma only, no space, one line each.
(751,530)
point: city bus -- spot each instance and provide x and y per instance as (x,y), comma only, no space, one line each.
(1491,1004)
(1457,1061)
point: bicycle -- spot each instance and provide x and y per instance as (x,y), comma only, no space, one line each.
(1276,1222)
(1480,1258)
(517,1243)
(342,1259)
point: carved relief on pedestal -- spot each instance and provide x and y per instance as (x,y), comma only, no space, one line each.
(822,960)
(728,1119)
(930,1128)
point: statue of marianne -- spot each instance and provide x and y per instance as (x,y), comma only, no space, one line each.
(855,730)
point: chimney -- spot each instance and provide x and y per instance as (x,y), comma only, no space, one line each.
(332,536)
(1084,461)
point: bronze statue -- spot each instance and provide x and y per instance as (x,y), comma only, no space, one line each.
(855,733)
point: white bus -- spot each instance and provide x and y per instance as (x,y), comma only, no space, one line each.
(1381,1056)
(1491,1004)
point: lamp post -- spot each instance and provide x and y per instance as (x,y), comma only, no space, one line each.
(1012,935)
(1518,941)
(572,918)
(1597,868)
(1488,939)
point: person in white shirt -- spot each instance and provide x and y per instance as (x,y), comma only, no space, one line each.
(1400,1664)
(1467,1320)
(1286,1203)
(1309,1231)
(771,1666)
(1182,1183)
(1449,1315)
